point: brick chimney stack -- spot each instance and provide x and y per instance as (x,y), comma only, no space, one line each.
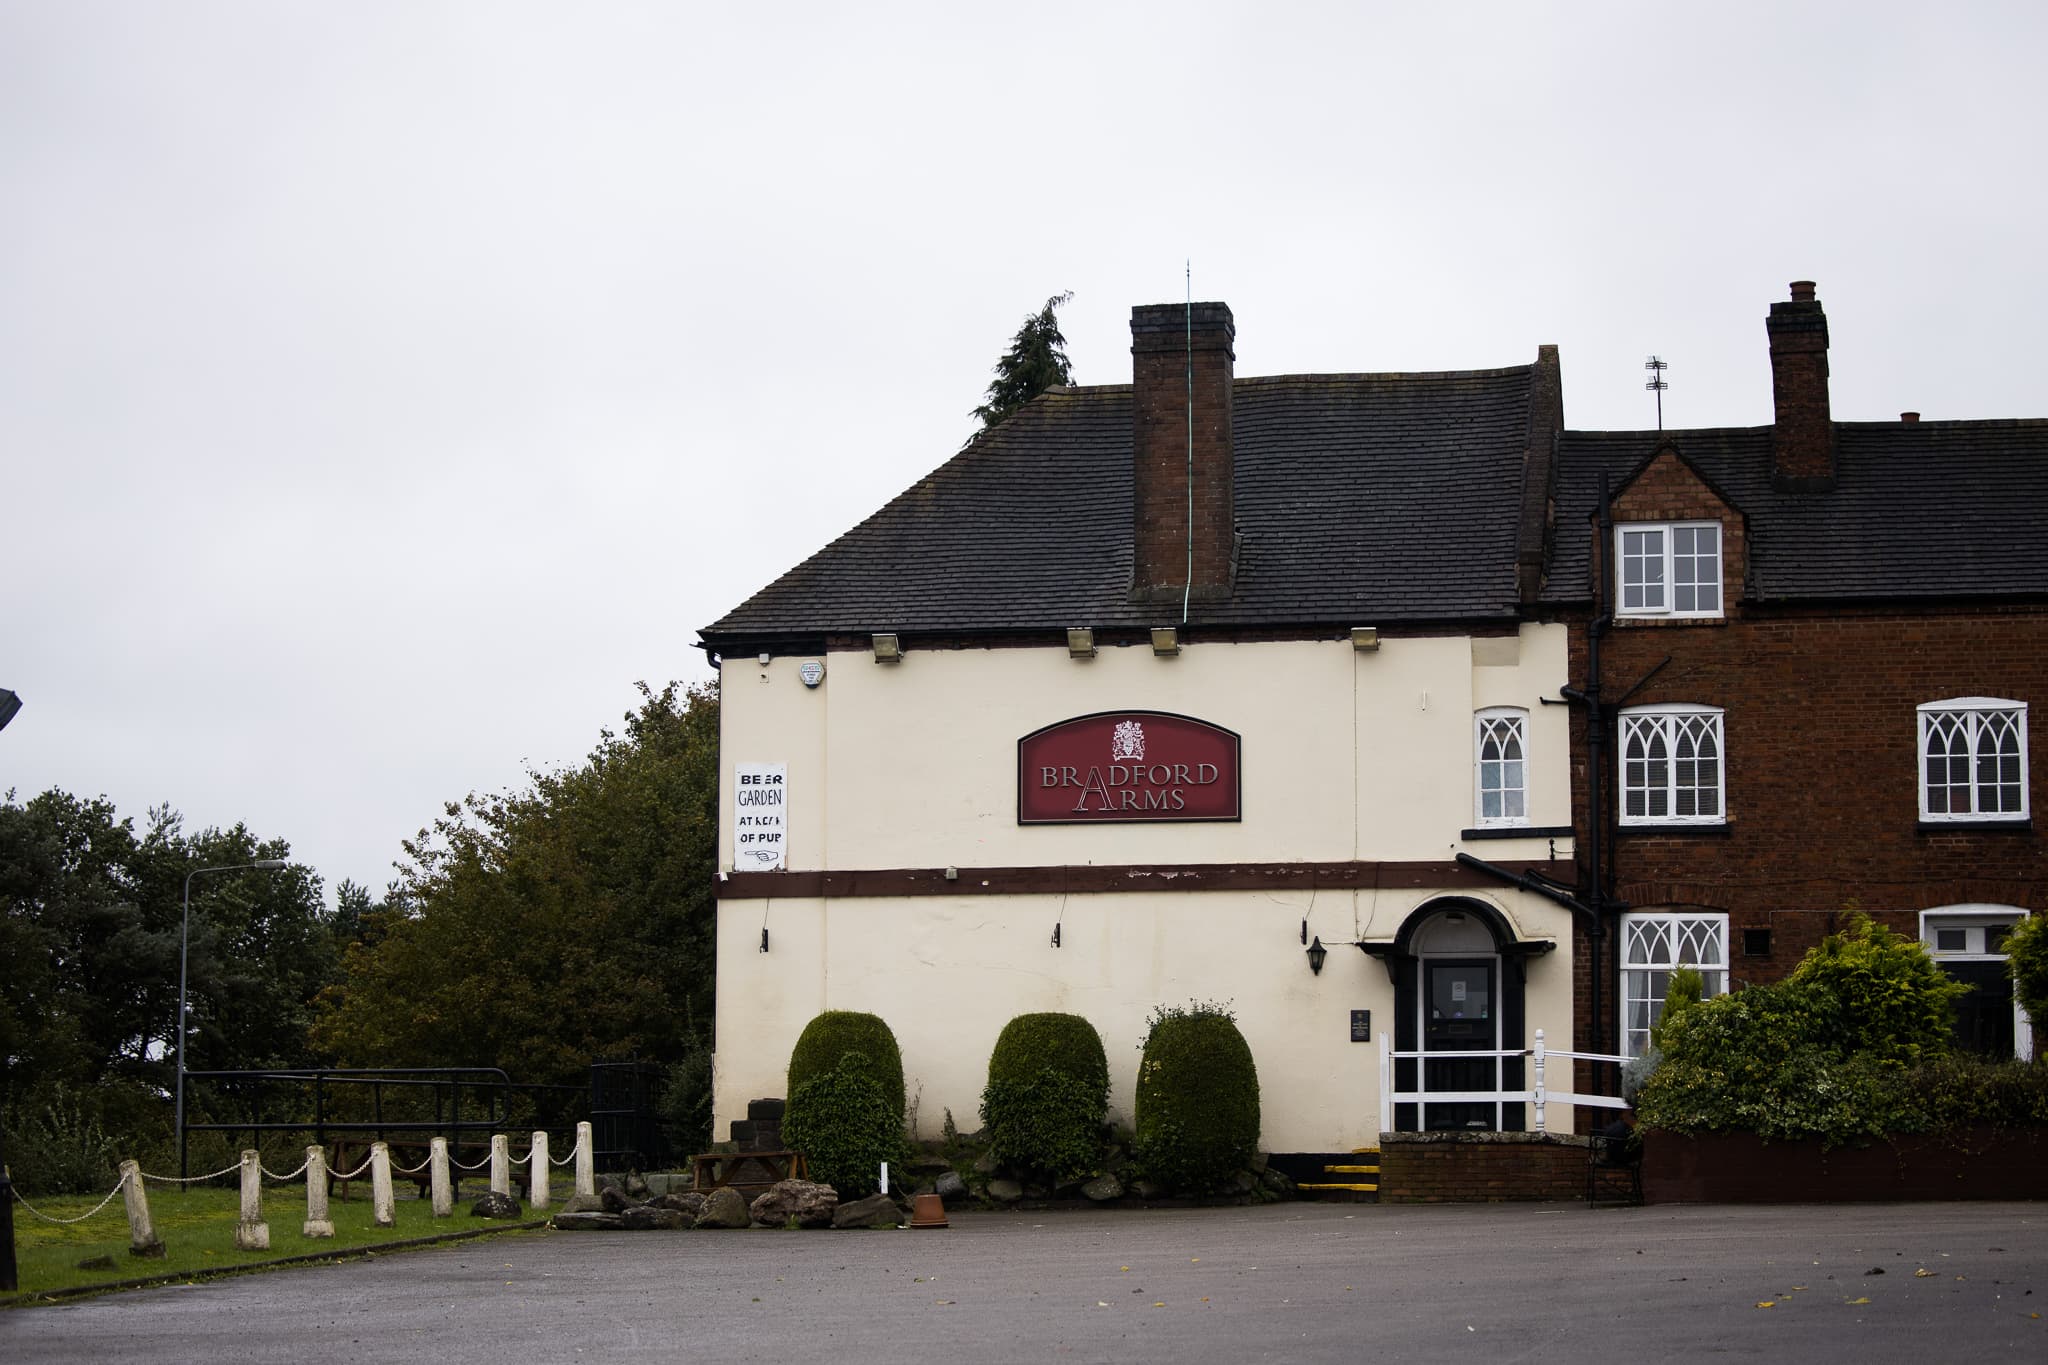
(1803,443)
(1171,344)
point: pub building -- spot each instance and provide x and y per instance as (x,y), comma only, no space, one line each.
(1291,693)
(1198,688)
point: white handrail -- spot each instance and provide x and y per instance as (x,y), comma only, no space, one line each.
(1538,1094)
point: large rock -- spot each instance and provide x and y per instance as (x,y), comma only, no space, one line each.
(651,1218)
(1148,1189)
(495,1205)
(950,1186)
(875,1211)
(682,1201)
(807,1202)
(589,1222)
(1103,1187)
(726,1208)
(1276,1180)
(635,1186)
(582,1203)
(616,1200)
(1005,1191)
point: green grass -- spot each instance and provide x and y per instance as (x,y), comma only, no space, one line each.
(197,1228)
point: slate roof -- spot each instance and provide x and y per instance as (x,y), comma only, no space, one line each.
(1362,499)
(1919,510)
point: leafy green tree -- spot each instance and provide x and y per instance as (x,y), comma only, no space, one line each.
(2026,949)
(1035,362)
(540,929)
(89,928)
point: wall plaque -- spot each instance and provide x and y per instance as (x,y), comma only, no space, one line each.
(1127,766)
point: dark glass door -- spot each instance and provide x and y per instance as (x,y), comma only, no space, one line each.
(1460,1006)
(1984,1022)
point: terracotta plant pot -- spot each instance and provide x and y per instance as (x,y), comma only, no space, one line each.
(927,1211)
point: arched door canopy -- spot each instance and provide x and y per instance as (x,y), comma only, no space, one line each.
(1513,951)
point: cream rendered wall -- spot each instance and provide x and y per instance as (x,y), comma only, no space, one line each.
(1346,755)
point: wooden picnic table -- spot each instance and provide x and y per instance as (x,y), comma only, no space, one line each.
(728,1170)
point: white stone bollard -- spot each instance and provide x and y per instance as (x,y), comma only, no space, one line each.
(317,1222)
(142,1238)
(537,1171)
(586,1163)
(444,1189)
(501,1164)
(252,1233)
(383,1212)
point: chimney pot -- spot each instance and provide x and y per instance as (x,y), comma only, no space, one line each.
(1909,417)
(1802,291)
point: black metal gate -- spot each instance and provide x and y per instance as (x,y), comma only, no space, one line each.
(625,1129)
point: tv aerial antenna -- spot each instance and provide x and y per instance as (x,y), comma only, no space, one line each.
(1655,383)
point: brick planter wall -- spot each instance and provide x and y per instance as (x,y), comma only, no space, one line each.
(1741,1168)
(1480,1168)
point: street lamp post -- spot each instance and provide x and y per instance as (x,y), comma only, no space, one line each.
(184,939)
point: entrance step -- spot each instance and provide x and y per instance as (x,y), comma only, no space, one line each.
(1336,1177)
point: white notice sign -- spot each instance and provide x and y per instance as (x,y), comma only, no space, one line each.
(759,828)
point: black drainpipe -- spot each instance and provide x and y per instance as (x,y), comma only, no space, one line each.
(1596,767)
(1595,889)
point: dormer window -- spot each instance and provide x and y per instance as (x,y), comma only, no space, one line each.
(1668,568)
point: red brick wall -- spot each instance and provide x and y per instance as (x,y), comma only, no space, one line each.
(1822,767)
(1479,1168)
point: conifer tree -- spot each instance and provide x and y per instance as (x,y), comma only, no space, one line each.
(1036,360)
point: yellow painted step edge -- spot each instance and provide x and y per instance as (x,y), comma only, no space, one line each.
(1351,1170)
(1361,1188)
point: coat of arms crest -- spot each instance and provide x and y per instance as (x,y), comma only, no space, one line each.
(1127,742)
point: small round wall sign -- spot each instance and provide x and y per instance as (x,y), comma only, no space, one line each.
(812,672)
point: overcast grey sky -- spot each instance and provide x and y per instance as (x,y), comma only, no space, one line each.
(386,387)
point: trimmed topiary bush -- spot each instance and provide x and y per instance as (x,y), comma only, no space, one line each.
(1047,1094)
(846,1126)
(1197,1098)
(834,1034)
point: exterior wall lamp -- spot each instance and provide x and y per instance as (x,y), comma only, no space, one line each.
(1081,644)
(1365,637)
(1317,953)
(1165,641)
(888,649)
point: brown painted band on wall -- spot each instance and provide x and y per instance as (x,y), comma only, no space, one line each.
(1091,879)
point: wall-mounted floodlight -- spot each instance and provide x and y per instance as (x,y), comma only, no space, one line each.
(1165,641)
(1365,637)
(888,649)
(1081,644)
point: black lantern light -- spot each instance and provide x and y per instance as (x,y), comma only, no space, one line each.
(1316,954)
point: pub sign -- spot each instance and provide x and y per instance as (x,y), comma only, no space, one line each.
(1127,766)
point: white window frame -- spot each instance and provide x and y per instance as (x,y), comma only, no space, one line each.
(1973,721)
(1655,943)
(1510,726)
(1979,922)
(1670,725)
(1649,562)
